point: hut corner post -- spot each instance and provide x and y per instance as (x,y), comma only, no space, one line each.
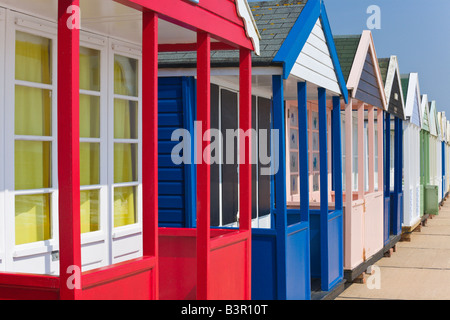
(150,140)
(324,210)
(245,165)
(280,185)
(69,152)
(203,168)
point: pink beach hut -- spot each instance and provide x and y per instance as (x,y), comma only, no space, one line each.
(362,138)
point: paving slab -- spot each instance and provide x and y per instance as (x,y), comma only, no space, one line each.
(418,270)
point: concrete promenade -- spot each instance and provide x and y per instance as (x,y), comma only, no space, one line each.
(418,270)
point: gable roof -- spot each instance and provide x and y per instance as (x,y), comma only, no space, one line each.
(434,130)
(360,50)
(390,73)
(346,47)
(285,27)
(425,113)
(273,19)
(440,126)
(412,98)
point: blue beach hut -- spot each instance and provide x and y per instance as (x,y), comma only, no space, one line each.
(297,86)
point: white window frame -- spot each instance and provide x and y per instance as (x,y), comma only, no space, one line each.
(292,199)
(2,147)
(99,43)
(135,52)
(20,22)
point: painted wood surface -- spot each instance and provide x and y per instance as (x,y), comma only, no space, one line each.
(395,105)
(368,87)
(217,17)
(314,64)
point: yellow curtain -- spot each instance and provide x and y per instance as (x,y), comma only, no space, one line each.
(32,218)
(32,159)
(89,128)
(124,206)
(125,154)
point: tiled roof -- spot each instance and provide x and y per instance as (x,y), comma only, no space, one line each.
(346,47)
(405,85)
(274,19)
(384,66)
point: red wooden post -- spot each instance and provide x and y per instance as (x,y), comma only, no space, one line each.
(150,139)
(203,168)
(245,165)
(69,149)
(245,124)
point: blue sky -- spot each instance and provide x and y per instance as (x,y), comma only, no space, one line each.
(417,32)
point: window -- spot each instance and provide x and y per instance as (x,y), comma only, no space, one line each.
(34,138)
(225,176)
(314,151)
(292,154)
(126,141)
(110,147)
(90,139)
(261,114)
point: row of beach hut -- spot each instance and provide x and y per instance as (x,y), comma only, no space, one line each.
(348,159)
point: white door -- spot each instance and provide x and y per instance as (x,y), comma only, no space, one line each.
(2,150)
(124,151)
(31,194)
(93,151)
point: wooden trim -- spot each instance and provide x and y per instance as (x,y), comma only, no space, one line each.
(203,169)
(150,140)
(68,149)
(245,165)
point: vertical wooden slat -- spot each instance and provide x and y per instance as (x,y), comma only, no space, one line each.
(337,153)
(303,145)
(69,150)
(380,133)
(371,144)
(361,151)
(323,147)
(348,181)
(387,156)
(245,166)
(203,168)
(150,140)
(280,185)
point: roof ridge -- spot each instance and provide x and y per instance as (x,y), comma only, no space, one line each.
(276,3)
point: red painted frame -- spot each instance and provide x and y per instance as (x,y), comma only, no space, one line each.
(140,278)
(205,263)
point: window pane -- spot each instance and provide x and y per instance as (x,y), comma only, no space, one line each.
(294,184)
(89,69)
(316,186)
(293,139)
(294,162)
(315,121)
(125,162)
(292,114)
(89,164)
(124,206)
(89,116)
(32,161)
(125,76)
(33,111)
(316,162)
(32,218)
(33,58)
(90,210)
(315,141)
(125,119)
